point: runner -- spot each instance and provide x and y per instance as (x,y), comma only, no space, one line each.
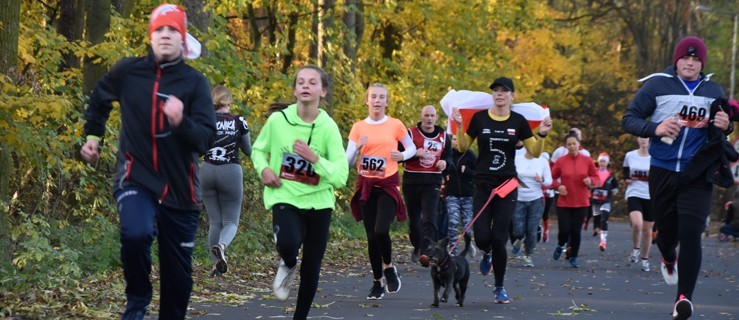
(222,178)
(549,199)
(459,190)
(422,181)
(576,174)
(636,172)
(534,174)
(602,196)
(497,131)
(300,157)
(373,145)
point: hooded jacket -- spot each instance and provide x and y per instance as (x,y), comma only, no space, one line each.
(277,138)
(461,184)
(151,154)
(662,96)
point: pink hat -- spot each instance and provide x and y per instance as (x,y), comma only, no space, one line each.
(690,46)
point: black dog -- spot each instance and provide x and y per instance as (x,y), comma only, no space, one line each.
(448,270)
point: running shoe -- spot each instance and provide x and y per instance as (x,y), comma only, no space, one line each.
(516,248)
(545,236)
(486,264)
(602,246)
(669,272)
(528,262)
(558,252)
(634,257)
(723,237)
(573,262)
(220,254)
(393,280)
(683,309)
(568,252)
(539,233)
(377,291)
(283,281)
(472,252)
(645,265)
(501,296)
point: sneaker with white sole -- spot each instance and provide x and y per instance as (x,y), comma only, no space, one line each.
(486,264)
(669,272)
(558,252)
(516,248)
(220,254)
(645,265)
(501,296)
(634,257)
(683,309)
(283,281)
(377,291)
(392,279)
(528,262)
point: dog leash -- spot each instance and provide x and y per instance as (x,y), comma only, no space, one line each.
(502,190)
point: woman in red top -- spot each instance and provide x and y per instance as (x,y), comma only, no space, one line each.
(574,175)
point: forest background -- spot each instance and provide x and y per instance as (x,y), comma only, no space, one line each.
(59,250)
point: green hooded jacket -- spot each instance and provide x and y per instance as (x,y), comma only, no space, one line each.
(274,149)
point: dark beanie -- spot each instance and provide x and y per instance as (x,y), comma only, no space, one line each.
(690,46)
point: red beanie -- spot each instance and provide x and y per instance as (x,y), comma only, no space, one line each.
(169,15)
(690,46)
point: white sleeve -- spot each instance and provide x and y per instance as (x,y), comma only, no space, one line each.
(351,153)
(410,148)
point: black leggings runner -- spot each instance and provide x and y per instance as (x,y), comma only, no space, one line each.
(293,227)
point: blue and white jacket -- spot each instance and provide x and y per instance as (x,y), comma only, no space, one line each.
(662,96)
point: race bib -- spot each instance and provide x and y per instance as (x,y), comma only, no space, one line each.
(600,194)
(372,166)
(433,150)
(693,116)
(297,169)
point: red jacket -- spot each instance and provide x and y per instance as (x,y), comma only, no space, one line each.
(570,171)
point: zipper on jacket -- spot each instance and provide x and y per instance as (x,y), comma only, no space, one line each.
(154,115)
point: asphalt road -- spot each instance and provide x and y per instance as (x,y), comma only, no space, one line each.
(606,286)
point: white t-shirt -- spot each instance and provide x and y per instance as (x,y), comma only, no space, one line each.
(563,151)
(639,174)
(527,170)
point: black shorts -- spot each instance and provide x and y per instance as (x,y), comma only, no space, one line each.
(642,205)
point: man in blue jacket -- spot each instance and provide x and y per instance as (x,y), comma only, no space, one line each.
(167,121)
(677,103)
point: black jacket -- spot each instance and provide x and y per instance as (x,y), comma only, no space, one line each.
(458,183)
(713,160)
(152,155)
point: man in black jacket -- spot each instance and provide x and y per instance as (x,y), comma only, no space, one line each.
(167,121)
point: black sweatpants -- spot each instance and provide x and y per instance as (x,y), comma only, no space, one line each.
(680,213)
(422,206)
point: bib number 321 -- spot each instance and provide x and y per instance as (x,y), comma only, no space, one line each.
(297,169)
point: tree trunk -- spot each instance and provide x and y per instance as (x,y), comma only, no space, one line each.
(6,172)
(256,35)
(97,24)
(71,25)
(292,27)
(124,7)
(354,30)
(10,13)
(201,18)
(314,51)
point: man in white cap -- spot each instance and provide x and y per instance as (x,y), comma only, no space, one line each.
(167,120)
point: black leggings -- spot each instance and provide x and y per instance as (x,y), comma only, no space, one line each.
(548,201)
(570,227)
(491,228)
(378,214)
(293,227)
